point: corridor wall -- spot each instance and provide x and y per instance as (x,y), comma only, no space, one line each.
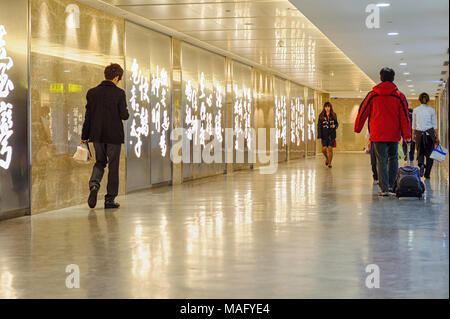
(281,100)
(264,108)
(242,119)
(311,121)
(203,110)
(14,156)
(70,46)
(148,88)
(297,123)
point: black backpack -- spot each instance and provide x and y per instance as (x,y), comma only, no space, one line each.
(408,183)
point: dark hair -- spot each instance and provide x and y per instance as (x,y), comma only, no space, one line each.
(424,98)
(324,112)
(113,70)
(387,74)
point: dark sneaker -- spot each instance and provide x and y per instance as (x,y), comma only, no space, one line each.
(383,194)
(427,176)
(422,170)
(329,166)
(92,200)
(111,205)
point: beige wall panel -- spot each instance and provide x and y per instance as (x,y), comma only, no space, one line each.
(70,46)
(263,105)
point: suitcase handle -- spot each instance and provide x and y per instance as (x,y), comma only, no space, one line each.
(408,151)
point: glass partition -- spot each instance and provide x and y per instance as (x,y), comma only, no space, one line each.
(148,86)
(14,167)
(203,111)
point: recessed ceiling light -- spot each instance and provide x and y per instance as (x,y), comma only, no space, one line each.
(399,51)
(406,73)
(382,5)
(408,80)
(411,85)
(66,71)
(393,33)
(403,63)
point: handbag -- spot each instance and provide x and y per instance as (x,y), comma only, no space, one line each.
(439,153)
(83,154)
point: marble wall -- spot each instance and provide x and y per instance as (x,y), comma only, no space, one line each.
(70,46)
(14,157)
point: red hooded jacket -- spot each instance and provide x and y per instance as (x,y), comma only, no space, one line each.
(387,110)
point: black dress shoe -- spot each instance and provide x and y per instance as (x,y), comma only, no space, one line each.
(111,205)
(92,200)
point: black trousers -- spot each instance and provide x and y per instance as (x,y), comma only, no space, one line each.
(411,150)
(373,162)
(425,146)
(106,154)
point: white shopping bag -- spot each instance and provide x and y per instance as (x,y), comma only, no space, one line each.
(83,154)
(439,153)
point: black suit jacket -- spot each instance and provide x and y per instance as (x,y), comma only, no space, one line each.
(105,109)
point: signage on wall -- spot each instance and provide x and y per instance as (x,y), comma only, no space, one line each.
(160,88)
(204,123)
(139,126)
(280,119)
(6,109)
(297,121)
(311,122)
(242,111)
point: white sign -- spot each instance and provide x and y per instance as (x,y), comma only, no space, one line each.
(6,109)
(311,122)
(242,111)
(160,89)
(197,126)
(139,127)
(297,121)
(281,119)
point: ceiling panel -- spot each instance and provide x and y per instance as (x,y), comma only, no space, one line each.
(274,34)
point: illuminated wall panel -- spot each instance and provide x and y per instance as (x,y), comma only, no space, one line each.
(242,113)
(281,92)
(148,87)
(203,108)
(264,106)
(297,132)
(311,122)
(14,181)
(70,46)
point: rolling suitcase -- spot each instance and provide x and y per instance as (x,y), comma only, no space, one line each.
(407,182)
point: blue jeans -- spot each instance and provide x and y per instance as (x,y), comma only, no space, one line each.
(387,163)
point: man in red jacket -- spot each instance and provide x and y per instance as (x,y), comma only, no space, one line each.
(387,110)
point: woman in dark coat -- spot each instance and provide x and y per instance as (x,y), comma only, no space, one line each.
(326,131)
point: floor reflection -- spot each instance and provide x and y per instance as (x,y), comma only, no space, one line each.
(305,232)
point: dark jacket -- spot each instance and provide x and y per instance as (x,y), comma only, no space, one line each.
(105,109)
(387,110)
(326,127)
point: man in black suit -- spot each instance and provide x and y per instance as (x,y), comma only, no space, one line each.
(105,109)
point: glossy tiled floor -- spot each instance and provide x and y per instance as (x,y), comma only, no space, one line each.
(305,232)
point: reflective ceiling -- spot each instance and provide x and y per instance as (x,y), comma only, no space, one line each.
(273,34)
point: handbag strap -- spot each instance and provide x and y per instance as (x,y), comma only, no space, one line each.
(89,149)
